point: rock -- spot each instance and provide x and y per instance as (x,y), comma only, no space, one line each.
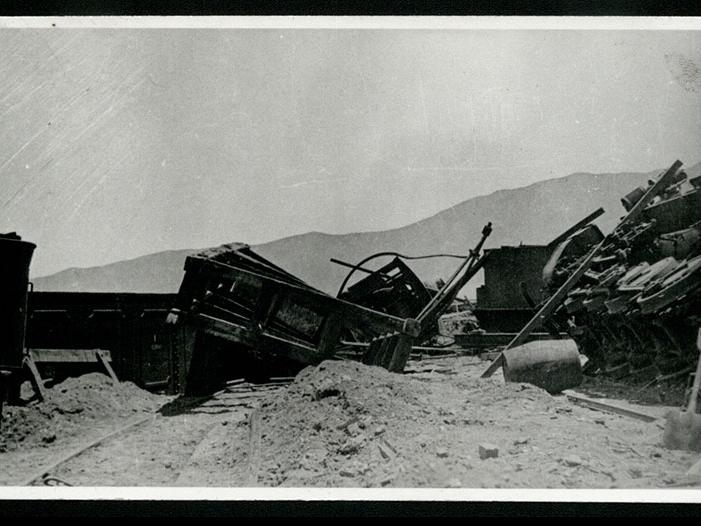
(387,480)
(488,451)
(379,430)
(345,425)
(386,452)
(361,468)
(635,472)
(299,474)
(353,429)
(454,483)
(441,452)
(573,460)
(365,422)
(600,421)
(314,458)
(345,472)
(49,438)
(609,474)
(521,441)
(553,466)
(352,445)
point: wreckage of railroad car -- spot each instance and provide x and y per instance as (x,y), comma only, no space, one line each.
(249,315)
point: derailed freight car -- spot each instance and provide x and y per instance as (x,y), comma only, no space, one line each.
(639,305)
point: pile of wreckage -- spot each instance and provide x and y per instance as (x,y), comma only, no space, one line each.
(273,322)
(636,302)
(628,300)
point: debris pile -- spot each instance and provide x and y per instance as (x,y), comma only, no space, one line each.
(638,304)
(344,424)
(72,406)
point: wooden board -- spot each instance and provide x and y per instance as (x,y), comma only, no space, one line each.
(68,355)
(102,357)
(607,406)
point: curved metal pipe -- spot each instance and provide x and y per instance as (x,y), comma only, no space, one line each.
(390,253)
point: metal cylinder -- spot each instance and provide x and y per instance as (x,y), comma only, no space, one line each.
(553,365)
(633,197)
(15,257)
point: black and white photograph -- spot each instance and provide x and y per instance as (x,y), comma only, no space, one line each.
(371,254)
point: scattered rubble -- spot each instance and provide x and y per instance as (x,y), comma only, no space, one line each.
(333,440)
(72,407)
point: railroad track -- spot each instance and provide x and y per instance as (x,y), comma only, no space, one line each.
(235,396)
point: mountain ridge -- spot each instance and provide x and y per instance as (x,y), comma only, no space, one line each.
(515,214)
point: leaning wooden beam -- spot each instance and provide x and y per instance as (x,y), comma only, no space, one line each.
(102,357)
(438,350)
(556,299)
(453,285)
(35,378)
(605,406)
(431,316)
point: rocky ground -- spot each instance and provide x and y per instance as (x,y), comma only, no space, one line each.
(343,424)
(76,411)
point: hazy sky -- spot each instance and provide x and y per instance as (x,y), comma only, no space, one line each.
(120,142)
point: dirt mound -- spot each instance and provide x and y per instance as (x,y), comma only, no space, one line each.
(347,424)
(344,424)
(70,406)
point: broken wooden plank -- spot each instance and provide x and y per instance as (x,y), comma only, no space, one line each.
(606,406)
(68,355)
(331,329)
(35,378)
(102,358)
(400,355)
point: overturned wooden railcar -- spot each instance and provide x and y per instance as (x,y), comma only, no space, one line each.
(252,318)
